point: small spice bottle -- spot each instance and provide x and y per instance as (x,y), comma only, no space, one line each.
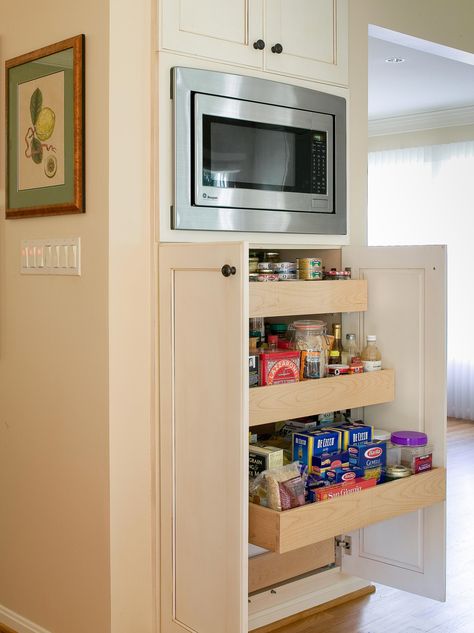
(416,453)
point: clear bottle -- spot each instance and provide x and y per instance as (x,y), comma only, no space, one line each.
(371,356)
(350,350)
(335,355)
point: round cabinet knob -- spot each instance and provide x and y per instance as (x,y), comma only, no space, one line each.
(278,48)
(227,270)
(259,45)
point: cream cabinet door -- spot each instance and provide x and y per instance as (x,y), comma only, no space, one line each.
(203,437)
(407,312)
(223,31)
(308,38)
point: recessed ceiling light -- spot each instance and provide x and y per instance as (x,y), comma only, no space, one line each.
(395,60)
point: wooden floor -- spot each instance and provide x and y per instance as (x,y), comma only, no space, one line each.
(392,611)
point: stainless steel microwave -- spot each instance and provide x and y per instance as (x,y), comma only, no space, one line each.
(257,155)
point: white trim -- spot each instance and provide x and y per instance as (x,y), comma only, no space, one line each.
(267,607)
(18,623)
(422,121)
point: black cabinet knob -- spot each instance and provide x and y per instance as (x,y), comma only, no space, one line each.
(227,270)
(278,48)
(259,45)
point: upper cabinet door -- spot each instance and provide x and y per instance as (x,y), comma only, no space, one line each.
(203,437)
(308,38)
(224,30)
(407,312)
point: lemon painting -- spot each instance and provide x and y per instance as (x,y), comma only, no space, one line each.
(41,132)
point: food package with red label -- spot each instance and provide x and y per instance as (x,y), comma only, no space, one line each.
(280,367)
(342,489)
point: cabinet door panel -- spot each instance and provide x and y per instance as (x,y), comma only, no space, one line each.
(313,34)
(203,438)
(223,31)
(406,310)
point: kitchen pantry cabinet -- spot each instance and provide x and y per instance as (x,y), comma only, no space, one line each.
(397,529)
(300,38)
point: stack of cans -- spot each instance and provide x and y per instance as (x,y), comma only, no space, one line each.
(309,268)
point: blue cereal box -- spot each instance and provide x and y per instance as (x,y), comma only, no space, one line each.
(343,475)
(356,433)
(307,445)
(368,455)
(326,441)
(326,461)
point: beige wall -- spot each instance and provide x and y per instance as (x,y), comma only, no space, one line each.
(54,455)
(446,22)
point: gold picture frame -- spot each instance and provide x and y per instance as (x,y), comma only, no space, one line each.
(45,131)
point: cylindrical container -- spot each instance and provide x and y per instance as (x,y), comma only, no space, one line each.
(253,264)
(267,276)
(285,267)
(253,276)
(395,472)
(309,275)
(309,336)
(265,267)
(416,453)
(257,324)
(338,370)
(271,256)
(287,276)
(313,263)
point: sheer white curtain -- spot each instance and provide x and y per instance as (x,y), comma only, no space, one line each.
(425,195)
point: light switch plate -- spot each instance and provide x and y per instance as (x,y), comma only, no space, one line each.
(58,256)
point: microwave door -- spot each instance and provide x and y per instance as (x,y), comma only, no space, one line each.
(256,156)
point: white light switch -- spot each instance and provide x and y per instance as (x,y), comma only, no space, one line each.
(51,256)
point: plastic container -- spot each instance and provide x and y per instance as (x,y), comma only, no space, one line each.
(416,452)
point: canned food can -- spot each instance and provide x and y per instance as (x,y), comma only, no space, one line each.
(267,276)
(396,472)
(338,370)
(285,267)
(287,276)
(312,275)
(253,276)
(265,267)
(314,263)
(253,264)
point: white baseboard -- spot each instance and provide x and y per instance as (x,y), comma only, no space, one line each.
(18,623)
(267,607)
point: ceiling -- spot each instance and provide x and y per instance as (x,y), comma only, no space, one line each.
(433,77)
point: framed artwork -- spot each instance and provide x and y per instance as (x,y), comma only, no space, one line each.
(45,131)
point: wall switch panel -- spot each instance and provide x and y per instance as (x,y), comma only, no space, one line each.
(51,257)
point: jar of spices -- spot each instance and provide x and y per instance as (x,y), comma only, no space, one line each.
(416,453)
(309,337)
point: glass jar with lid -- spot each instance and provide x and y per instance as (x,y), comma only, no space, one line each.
(309,337)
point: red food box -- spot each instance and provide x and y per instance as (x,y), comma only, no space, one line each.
(339,490)
(280,367)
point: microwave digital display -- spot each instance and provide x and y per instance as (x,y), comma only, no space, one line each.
(257,156)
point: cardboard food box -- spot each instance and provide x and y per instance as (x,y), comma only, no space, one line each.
(263,458)
(308,445)
(339,490)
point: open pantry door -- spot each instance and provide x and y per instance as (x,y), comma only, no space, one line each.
(203,437)
(407,312)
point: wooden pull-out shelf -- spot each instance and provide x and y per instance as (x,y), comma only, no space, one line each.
(296,400)
(285,531)
(292,298)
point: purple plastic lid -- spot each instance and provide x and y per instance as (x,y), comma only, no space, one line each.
(409,438)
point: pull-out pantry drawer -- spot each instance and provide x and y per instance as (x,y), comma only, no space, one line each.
(285,531)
